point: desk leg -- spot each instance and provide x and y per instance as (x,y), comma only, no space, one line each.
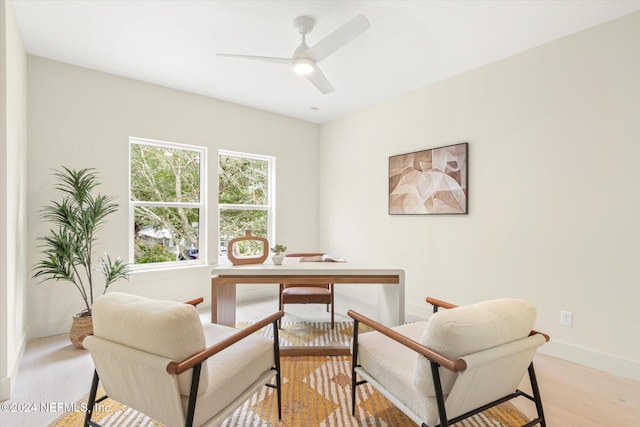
(391,303)
(223,303)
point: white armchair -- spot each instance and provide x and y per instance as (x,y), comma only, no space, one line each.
(460,362)
(158,358)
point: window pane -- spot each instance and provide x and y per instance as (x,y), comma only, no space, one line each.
(165,234)
(243,181)
(161,174)
(234,223)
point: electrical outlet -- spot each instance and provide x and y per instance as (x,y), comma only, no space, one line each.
(566,318)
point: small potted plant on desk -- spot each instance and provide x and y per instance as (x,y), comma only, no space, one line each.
(278,254)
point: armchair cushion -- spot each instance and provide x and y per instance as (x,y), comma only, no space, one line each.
(393,365)
(165,328)
(232,370)
(468,329)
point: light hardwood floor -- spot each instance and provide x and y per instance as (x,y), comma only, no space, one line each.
(54,374)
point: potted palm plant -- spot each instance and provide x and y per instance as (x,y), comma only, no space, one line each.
(68,247)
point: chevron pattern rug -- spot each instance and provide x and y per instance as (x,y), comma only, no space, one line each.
(311,334)
(315,392)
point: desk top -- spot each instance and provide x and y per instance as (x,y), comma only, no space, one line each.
(293,267)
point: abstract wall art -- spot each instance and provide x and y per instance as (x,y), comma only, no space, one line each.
(429,182)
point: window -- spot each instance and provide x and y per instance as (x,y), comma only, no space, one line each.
(245,191)
(167,203)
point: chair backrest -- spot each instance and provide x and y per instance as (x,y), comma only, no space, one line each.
(470,329)
(168,329)
(137,379)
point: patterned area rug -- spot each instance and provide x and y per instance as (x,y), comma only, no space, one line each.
(311,334)
(316,392)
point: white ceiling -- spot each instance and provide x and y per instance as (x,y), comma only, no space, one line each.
(410,43)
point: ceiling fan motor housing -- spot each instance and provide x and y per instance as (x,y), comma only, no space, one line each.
(304,24)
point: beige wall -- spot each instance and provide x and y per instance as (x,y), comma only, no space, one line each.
(13,141)
(82,118)
(554,205)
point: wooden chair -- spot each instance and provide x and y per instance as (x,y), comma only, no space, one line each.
(159,359)
(306,293)
(460,362)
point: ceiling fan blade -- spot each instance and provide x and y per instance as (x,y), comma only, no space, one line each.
(320,81)
(338,38)
(257,58)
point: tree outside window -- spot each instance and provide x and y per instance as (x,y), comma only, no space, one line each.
(167,202)
(245,199)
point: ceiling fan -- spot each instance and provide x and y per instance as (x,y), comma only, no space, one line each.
(305,59)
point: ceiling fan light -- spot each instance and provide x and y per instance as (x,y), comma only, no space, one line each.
(303,66)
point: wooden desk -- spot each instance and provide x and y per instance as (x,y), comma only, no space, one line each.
(225,278)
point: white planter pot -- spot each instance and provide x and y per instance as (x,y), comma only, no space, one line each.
(277,259)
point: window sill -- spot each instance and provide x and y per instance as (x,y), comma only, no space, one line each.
(142,268)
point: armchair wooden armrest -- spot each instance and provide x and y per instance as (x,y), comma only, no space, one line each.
(177,368)
(443,304)
(436,303)
(195,301)
(457,365)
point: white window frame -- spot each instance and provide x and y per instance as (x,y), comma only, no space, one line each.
(202,206)
(271,194)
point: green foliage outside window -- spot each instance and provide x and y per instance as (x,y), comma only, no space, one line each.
(171,176)
(153,253)
(242,181)
(243,196)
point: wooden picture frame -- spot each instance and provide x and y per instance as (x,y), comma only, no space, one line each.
(429,182)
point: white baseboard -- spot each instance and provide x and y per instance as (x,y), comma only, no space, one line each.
(5,388)
(609,363)
(412,311)
(7,383)
(47,329)
(415,311)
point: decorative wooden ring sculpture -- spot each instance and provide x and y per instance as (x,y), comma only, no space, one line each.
(252,259)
